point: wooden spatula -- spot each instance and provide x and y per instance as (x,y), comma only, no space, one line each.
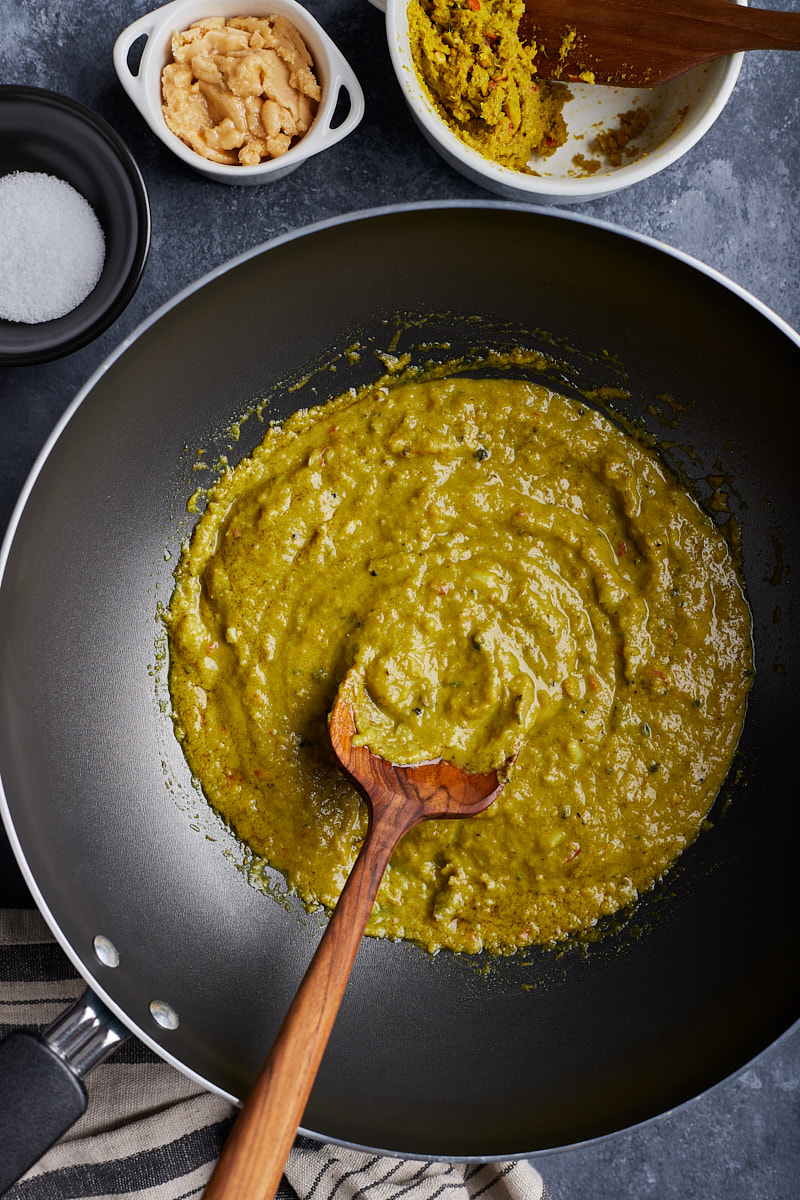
(640,43)
(252,1160)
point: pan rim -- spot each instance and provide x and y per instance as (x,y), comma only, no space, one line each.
(680,256)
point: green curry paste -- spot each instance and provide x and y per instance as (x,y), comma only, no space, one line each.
(480,77)
(507,571)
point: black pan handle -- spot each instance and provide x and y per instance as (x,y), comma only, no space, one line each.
(41,1081)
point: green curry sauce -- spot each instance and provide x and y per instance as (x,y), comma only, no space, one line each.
(507,571)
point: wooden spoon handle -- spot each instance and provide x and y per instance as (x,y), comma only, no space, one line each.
(706,26)
(732,27)
(252,1160)
(768,30)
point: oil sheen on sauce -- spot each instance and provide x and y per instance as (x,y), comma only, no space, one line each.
(509,572)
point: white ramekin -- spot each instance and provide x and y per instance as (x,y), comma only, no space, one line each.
(144,84)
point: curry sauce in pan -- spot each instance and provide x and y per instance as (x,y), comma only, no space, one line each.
(510,573)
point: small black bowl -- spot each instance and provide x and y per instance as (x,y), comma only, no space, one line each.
(43,131)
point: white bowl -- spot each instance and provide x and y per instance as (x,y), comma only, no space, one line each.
(681,112)
(144,85)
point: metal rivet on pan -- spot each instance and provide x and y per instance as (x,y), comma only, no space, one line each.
(106,951)
(164,1014)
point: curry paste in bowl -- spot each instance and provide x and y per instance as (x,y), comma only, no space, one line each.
(509,572)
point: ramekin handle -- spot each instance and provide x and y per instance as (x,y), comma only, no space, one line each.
(343,77)
(141,28)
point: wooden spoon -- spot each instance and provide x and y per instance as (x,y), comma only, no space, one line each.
(640,43)
(253,1158)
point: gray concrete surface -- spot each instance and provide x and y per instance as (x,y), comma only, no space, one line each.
(731,202)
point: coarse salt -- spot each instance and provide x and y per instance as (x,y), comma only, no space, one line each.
(52,247)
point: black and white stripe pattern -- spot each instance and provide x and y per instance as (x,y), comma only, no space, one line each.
(330,1173)
(151,1134)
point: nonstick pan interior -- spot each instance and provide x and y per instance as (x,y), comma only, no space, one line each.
(451,1057)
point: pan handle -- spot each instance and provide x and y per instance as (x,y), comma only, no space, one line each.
(43,1093)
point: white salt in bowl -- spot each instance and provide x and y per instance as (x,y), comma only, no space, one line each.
(681,112)
(143,83)
(44,133)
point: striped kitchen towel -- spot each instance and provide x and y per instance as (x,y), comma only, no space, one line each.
(151,1134)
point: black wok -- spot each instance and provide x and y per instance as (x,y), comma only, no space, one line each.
(429,1058)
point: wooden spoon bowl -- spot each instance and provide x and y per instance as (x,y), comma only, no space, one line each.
(641,43)
(253,1158)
